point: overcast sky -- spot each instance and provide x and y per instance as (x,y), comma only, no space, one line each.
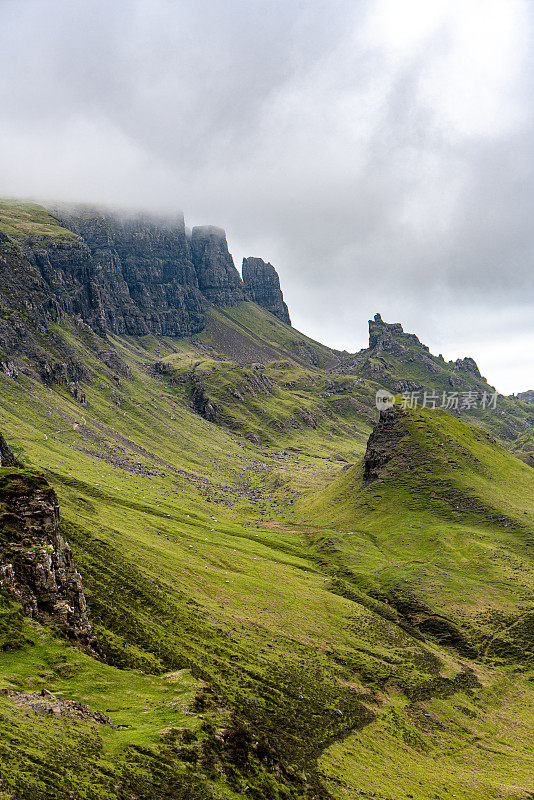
(379,153)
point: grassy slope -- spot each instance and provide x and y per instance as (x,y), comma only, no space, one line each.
(445,535)
(26,222)
(193,558)
(177,571)
(413,362)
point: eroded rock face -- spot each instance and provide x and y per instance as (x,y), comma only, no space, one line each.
(262,285)
(218,279)
(467,364)
(137,273)
(113,272)
(36,563)
(382,444)
(7,459)
(382,336)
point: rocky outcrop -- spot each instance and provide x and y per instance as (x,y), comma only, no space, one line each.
(527,397)
(203,405)
(262,285)
(467,364)
(382,445)
(390,336)
(55,705)
(138,275)
(218,279)
(7,459)
(36,563)
(113,272)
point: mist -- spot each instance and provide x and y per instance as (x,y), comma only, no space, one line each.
(379,154)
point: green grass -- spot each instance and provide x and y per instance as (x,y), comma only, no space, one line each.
(29,222)
(196,560)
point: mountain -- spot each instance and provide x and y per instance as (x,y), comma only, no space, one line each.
(225,574)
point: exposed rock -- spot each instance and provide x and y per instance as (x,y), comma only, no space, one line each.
(527,397)
(7,459)
(380,331)
(218,278)
(36,563)
(49,704)
(263,287)
(137,272)
(112,272)
(382,444)
(203,405)
(467,365)
(78,393)
(385,336)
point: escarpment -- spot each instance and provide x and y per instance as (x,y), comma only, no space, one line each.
(263,286)
(36,563)
(218,278)
(125,273)
(109,272)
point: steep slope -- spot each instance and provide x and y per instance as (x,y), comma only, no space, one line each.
(437,522)
(272,621)
(430,484)
(401,363)
(193,556)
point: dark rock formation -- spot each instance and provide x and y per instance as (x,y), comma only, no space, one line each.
(7,459)
(527,397)
(27,306)
(36,564)
(467,364)
(203,405)
(112,272)
(263,287)
(135,271)
(218,279)
(382,445)
(384,336)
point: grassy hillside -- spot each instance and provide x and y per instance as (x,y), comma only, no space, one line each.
(304,621)
(26,222)
(273,626)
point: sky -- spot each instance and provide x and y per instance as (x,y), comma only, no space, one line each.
(379,153)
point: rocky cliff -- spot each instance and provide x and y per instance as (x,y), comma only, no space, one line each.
(36,563)
(218,279)
(109,272)
(382,445)
(122,273)
(263,287)
(134,273)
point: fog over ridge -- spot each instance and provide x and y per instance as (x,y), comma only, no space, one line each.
(379,154)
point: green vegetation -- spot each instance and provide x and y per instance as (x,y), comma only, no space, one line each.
(273,626)
(29,222)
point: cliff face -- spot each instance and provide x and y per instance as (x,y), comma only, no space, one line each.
(36,563)
(218,279)
(123,273)
(136,274)
(263,287)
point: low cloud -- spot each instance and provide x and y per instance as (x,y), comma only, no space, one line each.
(379,153)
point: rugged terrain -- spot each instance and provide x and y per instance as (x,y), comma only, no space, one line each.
(230,577)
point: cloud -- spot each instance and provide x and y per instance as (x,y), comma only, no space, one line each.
(379,153)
